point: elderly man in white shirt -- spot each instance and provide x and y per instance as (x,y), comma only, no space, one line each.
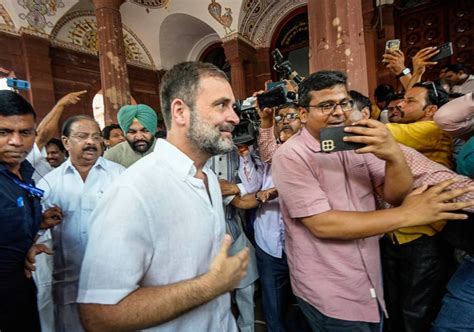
(154,259)
(75,187)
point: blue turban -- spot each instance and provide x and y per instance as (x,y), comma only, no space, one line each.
(143,113)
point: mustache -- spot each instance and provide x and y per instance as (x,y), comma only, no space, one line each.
(285,127)
(90,148)
(227,127)
(140,141)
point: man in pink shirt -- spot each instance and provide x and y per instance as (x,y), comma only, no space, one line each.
(328,206)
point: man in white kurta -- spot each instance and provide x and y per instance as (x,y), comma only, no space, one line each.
(76,196)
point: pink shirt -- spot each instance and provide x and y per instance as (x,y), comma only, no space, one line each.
(341,278)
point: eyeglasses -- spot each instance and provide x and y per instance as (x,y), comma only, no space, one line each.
(289,117)
(84,136)
(433,85)
(329,108)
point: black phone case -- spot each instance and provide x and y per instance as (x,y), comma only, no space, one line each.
(445,50)
(331,140)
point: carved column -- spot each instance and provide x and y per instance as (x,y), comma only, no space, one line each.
(336,40)
(235,58)
(113,66)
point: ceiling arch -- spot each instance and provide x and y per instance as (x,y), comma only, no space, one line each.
(179,34)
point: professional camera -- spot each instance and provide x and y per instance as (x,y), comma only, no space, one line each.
(247,130)
(284,67)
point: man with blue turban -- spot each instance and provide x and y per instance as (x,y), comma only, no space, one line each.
(138,122)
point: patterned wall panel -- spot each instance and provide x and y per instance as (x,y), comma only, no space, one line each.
(461,32)
(78,30)
(432,23)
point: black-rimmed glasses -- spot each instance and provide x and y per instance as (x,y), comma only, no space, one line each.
(330,107)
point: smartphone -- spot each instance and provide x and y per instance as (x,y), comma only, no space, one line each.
(331,140)
(445,50)
(393,45)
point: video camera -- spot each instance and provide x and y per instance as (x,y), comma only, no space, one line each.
(247,130)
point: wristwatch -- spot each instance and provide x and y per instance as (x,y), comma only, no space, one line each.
(404,72)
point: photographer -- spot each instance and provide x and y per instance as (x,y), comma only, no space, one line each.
(269,229)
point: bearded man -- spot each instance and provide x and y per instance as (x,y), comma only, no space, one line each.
(138,122)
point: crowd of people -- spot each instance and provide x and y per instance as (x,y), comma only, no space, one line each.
(125,229)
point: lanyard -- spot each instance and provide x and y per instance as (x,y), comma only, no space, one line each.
(32,190)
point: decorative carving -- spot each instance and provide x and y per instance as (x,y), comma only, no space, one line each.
(215,9)
(263,16)
(7,24)
(82,35)
(37,12)
(433,25)
(151,3)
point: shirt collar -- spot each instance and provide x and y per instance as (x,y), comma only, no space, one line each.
(69,167)
(26,170)
(182,165)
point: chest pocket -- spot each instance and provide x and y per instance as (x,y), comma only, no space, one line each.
(359,175)
(15,226)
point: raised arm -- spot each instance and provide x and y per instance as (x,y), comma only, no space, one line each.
(423,206)
(49,125)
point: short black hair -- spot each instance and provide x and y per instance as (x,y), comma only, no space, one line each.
(11,103)
(384,92)
(320,80)
(395,96)
(58,143)
(360,100)
(456,68)
(108,129)
(287,105)
(436,95)
(66,129)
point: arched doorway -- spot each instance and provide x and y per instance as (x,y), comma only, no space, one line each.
(291,37)
(215,54)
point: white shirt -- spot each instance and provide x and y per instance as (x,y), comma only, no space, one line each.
(38,160)
(156,226)
(466,87)
(268,226)
(65,188)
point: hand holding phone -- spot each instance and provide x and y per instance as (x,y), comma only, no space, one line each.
(332,140)
(377,138)
(445,50)
(393,45)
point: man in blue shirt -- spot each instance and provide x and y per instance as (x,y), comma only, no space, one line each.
(20,214)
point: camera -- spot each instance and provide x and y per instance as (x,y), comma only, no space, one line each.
(247,130)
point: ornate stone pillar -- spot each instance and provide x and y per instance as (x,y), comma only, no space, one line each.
(113,65)
(232,53)
(336,40)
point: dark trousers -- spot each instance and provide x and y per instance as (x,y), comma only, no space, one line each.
(18,308)
(322,323)
(277,295)
(415,275)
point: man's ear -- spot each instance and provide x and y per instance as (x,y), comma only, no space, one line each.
(430,111)
(179,112)
(366,113)
(65,140)
(303,114)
